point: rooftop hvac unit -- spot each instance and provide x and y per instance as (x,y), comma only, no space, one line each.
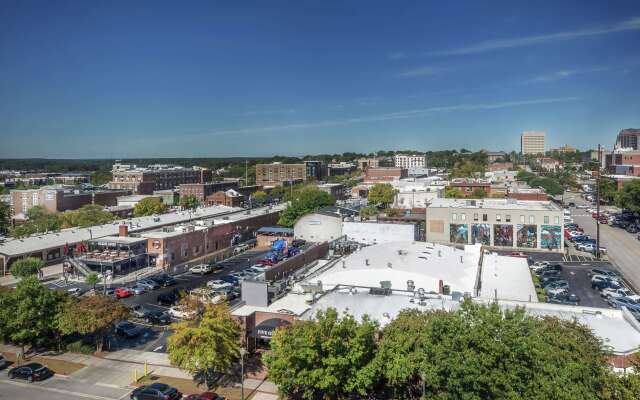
(168,229)
(411,285)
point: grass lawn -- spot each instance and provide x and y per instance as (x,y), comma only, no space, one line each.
(187,386)
(58,366)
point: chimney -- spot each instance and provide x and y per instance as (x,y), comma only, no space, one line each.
(123,230)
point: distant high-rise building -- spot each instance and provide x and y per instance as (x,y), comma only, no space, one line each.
(278,174)
(532,143)
(628,139)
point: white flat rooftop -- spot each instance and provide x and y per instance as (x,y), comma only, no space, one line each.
(497,204)
(507,278)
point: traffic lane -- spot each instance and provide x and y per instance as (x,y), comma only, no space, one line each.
(623,250)
(58,388)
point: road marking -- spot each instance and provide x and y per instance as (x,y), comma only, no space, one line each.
(61,391)
(157,305)
(109,385)
(158,348)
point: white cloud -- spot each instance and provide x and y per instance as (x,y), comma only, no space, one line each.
(405,114)
(268,112)
(423,71)
(564,74)
(498,44)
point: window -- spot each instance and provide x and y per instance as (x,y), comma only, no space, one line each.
(546,219)
(507,218)
(463,217)
(454,217)
(556,220)
(498,217)
(522,219)
(475,216)
(484,217)
(532,219)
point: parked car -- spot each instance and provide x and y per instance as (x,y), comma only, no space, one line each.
(75,292)
(157,317)
(168,299)
(155,391)
(603,271)
(127,329)
(122,292)
(549,268)
(139,311)
(204,396)
(632,228)
(148,284)
(30,372)
(616,292)
(217,283)
(4,363)
(138,289)
(517,254)
(201,269)
(544,281)
(601,282)
(181,312)
(556,291)
(164,280)
(632,303)
(564,298)
(229,279)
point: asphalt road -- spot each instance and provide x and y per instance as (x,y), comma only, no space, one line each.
(58,388)
(623,249)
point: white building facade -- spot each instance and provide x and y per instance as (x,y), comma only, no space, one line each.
(408,161)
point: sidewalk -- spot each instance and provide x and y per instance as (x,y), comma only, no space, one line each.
(50,272)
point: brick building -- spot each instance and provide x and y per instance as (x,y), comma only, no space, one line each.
(277,174)
(468,186)
(55,199)
(384,174)
(144,180)
(203,190)
(230,198)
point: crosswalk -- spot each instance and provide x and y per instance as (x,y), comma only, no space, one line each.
(577,258)
(59,283)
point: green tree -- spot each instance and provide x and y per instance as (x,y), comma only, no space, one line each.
(38,220)
(86,216)
(453,192)
(33,311)
(101,177)
(209,345)
(479,193)
(92,280)
(483,352)
(629,196)
(305,201)
(369,211)
(189,202)
(25,267)
(382,194)
(328,357)
(5,217)
(608,190)
(259,196)
(91,315)
(149,206)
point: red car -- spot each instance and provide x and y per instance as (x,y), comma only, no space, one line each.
(122,292)
(604,221)
(594,215)
(204,396)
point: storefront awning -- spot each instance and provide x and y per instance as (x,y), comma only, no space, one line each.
(264,330)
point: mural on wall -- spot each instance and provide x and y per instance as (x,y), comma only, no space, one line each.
(550,237)
(458,233)
(503,235)
(527,236)
(481,233)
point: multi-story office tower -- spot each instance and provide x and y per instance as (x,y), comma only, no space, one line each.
(408,161)
(532,143)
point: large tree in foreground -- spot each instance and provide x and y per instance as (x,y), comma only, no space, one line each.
(208,345)
(382,194)
(324,358)
(92,315)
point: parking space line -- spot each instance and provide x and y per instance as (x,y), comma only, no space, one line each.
(61,391)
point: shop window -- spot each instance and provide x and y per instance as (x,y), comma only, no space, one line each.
(475,216)
(454,217)
(546,219)
(498,217)
(532,219)
(484,217)
(507,218)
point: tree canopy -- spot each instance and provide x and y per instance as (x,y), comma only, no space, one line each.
(305,201)
(629,196)
(477,352)
(259,196)
(91,315)
(25,267)
(189,202)
(40,220)
(382,194)
(327,357)
(149,206)
(5,220)
(208,346)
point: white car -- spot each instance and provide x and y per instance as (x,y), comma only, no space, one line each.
(615,293)
(201,269)
(259,267)
(217,283)
(556,291)
(181,312)
(539,265)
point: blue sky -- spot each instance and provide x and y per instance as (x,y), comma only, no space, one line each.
(212,78)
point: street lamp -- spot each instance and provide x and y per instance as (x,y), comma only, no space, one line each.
(243,351)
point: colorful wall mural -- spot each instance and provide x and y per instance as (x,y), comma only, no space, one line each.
(458,233)
(550,237)
(527,236)
(481,233)
(503,235)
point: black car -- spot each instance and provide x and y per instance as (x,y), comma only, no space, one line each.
(549,269)
(229,279)
(157,318)
(127,329)
(298,242)
(156,391)
(30,372)
(550,278)
(564,298)
(163,280)
(168,299)
(632,228)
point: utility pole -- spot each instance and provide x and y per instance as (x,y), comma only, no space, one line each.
(246,172)
(598,204)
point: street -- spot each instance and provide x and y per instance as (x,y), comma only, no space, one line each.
(58,388)
(623,249)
